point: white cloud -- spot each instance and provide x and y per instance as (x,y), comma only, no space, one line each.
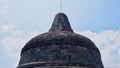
(3,8)
(108,42)
(6,28)
(14,41)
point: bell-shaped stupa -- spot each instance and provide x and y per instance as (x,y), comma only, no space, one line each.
(60,48)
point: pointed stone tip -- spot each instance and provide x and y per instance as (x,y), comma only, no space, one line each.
(61,23)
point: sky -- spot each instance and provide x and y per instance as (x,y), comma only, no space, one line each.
(21,20)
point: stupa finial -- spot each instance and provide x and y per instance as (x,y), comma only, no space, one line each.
(61,23)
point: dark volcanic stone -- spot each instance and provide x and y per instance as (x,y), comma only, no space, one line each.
(61,23)
(60,48)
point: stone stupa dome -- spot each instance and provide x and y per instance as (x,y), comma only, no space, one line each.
(60,47)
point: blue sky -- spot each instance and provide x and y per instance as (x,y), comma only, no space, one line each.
(20,20)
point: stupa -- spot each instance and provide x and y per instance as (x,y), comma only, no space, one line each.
(60,47)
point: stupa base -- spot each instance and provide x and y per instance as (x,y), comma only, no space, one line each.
(55,65)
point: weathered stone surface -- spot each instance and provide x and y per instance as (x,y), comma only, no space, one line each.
(61,23)
(67,54)
(63,37)
(60,48)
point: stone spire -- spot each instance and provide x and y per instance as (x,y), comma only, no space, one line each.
(61,23)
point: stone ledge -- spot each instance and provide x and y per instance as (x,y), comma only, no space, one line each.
(56,65)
